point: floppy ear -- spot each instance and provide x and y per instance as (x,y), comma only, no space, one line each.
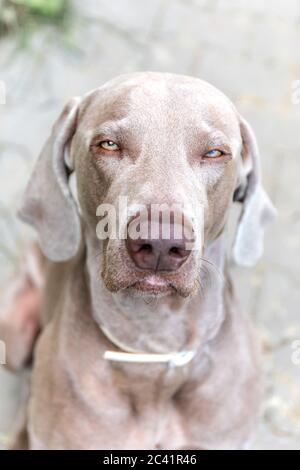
(48,204)
(258,210)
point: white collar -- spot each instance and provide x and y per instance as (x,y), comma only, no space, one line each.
(173,359)
(176,359)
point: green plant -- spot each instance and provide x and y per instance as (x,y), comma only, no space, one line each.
(47,8)
(24,15)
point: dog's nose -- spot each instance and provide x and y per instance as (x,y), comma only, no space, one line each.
(163,252)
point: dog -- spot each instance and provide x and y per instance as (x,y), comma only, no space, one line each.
(137,342)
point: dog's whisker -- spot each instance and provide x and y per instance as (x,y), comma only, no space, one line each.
(212,267)
(199,286)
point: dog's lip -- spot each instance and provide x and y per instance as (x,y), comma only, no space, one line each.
(153,283)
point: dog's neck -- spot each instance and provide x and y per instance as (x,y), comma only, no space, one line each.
(162,326)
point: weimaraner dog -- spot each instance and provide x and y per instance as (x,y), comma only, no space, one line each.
(140,344)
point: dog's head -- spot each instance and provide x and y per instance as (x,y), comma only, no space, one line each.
(158,160)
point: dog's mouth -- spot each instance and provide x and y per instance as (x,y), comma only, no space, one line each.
(160,285)
(153,284)
(125,277)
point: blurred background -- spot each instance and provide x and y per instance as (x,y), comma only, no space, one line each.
(51,50)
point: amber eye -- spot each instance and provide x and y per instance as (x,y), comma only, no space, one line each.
(109,145)
(215,153)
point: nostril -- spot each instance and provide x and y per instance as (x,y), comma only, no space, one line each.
(145,248)
(143,253)
(174,251)
(177,252)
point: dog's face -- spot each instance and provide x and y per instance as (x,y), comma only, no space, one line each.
(157,140)
(149,139)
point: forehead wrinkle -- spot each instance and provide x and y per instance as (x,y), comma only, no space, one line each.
(112,127)
(149,105)
(148,89)
(217,136)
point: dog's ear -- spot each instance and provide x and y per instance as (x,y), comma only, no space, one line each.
(48,204)
(258,210)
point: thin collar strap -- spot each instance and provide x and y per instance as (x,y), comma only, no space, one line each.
(130,355)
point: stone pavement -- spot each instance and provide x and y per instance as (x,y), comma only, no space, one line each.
(247,49)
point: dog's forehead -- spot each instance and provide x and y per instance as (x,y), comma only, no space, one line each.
(153,97)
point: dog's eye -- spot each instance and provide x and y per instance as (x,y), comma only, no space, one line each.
(215,153)
(109,145)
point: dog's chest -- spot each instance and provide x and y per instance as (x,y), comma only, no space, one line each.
(124,411)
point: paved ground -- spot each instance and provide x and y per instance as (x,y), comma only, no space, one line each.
(248,50)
